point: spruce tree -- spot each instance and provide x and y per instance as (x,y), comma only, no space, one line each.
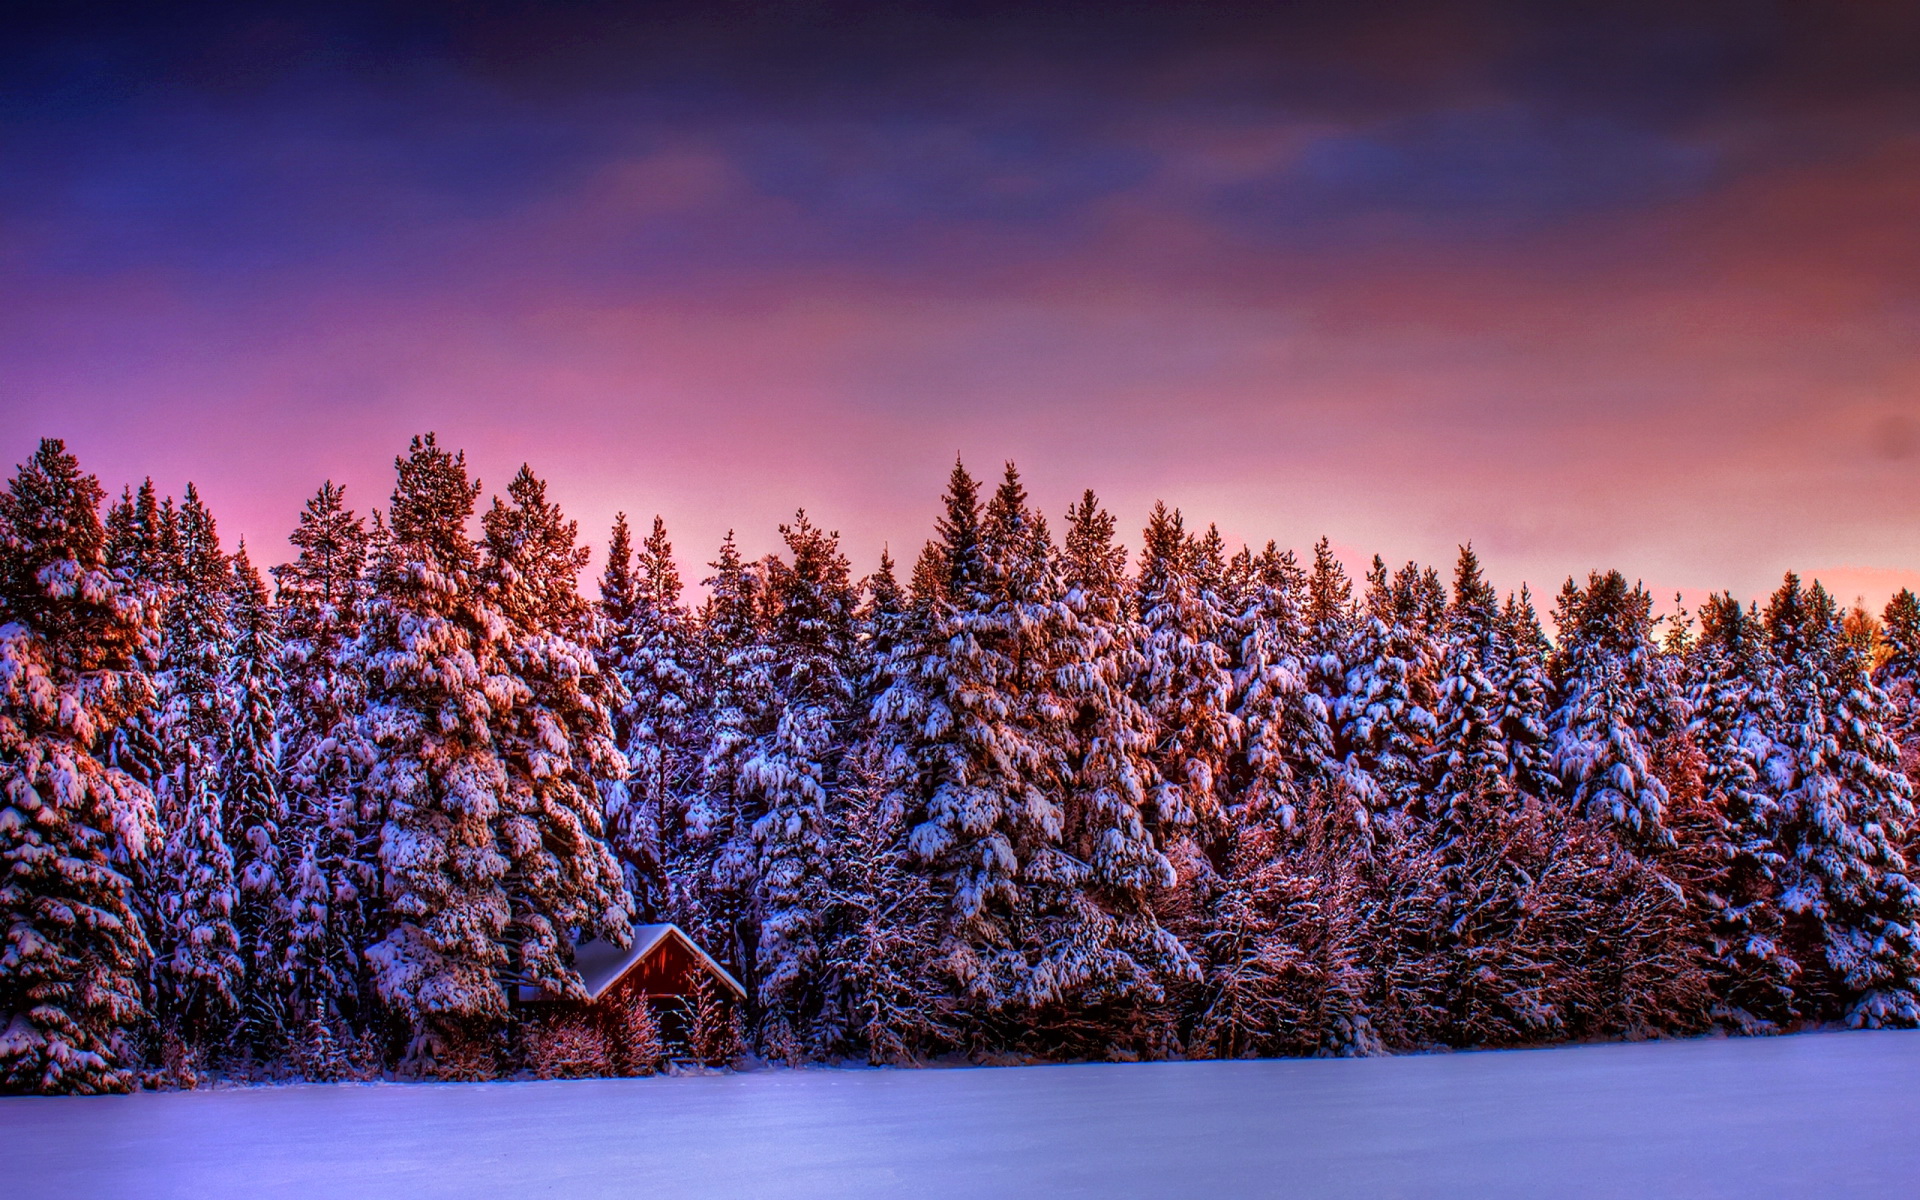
(887,998)
(1385,713)
(255,810)
(1843,816)
(333,850)
(1100,956)
(1287,738)
(1469,757)
(965,769)
(202,973)
(788,780)
(553,737)
(1111,817)
(1898,675)
(1617,699)
(200,969)
(436,781)
(737,684)
(1185,680)
(650,647)
(1733,691)
(1331,661)
(76,644)
(489,716)
(1524,685)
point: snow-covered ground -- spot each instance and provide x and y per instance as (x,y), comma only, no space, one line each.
(1813,1116)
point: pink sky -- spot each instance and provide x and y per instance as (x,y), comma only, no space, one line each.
(1702,381)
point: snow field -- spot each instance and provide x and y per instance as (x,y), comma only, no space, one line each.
(1824,1115)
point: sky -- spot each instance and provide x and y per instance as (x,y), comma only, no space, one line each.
(1588,285)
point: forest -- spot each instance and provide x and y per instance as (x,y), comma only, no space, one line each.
(1036,798)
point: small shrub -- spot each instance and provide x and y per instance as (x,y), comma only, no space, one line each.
(637,1045)
(568,1045)
(716,1036)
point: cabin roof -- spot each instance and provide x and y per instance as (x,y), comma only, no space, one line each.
(602,964)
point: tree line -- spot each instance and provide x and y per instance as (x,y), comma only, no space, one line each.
(1041,799)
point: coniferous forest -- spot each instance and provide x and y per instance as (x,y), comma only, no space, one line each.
(1036,796)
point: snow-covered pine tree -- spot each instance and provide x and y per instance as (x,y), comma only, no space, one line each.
(788,779)
(489,715)
(1257,989)
(255,811)
(1843,816)
(1332,632)
(1524,684)
(880,627)
(1110,817)
(737,686)
(1185,680)
(425,648)
(333,850)
(1385,715)
(650,646)
(76,644)
(196,708)
(199,967)
(888,997)
(1898,675)
(1093,854)
(553,737)
(1287,737)
(1469,755)
(964,766)
(141,542)
(1732,684)
(1617,699)
(202,974)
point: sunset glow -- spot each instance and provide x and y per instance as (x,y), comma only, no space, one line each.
(1584,291)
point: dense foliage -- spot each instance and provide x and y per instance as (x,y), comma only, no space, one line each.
(1029,803)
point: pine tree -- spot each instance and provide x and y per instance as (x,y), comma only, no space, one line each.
(887,999)
(737,671)
(553,737)
(1617,699)
(425,650)
(255,810)
(964,765)
(1110,819)
(489,714)
(1525,687)
(1384,714)
(333,851)
(197,710)
(651,650)
(76,643)
(1733,694)
(788,780)
(1287,737)
(1470,756)
(1898,675)
(141,546)
(1331,659)
(1101,958)
(1843,816)
(1185,681)
(200,969)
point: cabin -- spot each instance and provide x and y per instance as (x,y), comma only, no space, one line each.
(662,965)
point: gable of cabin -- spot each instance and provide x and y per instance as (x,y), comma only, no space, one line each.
(668,970)
(662,963)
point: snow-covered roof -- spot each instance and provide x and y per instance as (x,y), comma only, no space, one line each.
(603,964)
